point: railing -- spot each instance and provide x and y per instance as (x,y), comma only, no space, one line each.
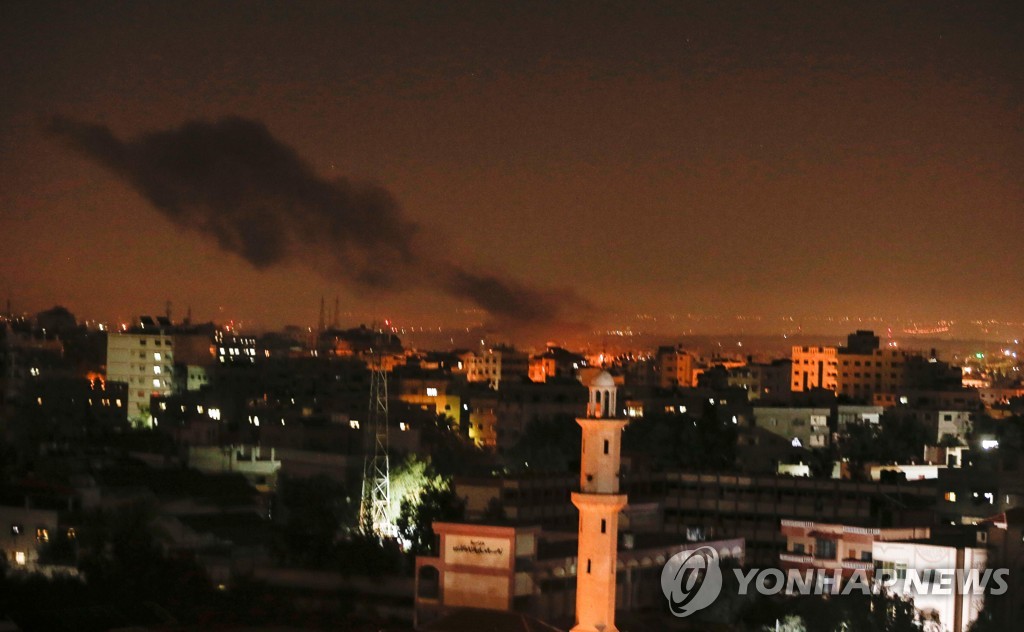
(796,558)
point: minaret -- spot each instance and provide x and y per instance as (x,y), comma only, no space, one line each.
(599,502)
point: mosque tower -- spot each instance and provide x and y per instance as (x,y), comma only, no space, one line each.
(599,502)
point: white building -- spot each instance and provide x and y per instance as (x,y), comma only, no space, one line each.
(145,362)
(951,612)
(494,365)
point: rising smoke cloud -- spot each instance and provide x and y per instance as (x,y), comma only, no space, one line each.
(232,181)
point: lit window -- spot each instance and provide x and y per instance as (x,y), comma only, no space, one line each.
(156,370)
(157,357)
(950,497)
(431,392)
(42,534)
(214,413)
(156,383)
(354,424)
(19,558)
(16,529)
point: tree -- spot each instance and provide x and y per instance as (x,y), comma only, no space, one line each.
(419,497)
(854,612)
(451,453)
(417,517)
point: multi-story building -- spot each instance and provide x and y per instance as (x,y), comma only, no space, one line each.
(953,609)
(834,552)
(555,362)
(814,367)
(72,406)
(763,381)
(234,349)
(837,549)
(706,506)
(483,572)
(863,372)
(495,365)
(433,391)
(520,404)
(853,414)
(24,532)
(144,360)
(804,427)
(483,421)
(977,490)
(675,367)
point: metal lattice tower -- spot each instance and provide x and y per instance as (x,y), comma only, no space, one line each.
(375,509)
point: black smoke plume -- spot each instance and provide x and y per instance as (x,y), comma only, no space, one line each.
(232,181)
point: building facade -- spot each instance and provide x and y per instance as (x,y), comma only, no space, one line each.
(814,367)
(144,360)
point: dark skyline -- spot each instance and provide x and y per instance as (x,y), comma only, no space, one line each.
(668,158)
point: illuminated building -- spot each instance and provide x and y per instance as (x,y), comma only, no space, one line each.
(483,421)
(496,365)
(599,503)
(555,362)
(23,532)
(234,349)
(814,367)
(836,548)
(675,367)
(954,609)
(838,551)
(863,370)
(432,390)
(144,360)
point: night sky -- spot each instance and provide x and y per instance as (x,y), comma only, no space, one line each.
(592,160)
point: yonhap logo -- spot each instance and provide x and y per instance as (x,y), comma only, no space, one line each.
(691,580)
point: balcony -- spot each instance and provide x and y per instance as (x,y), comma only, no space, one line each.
(857,565)
(796,558)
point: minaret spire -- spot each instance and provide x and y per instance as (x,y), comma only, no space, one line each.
(599,502)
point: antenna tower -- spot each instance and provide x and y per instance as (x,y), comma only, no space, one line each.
(375,510)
